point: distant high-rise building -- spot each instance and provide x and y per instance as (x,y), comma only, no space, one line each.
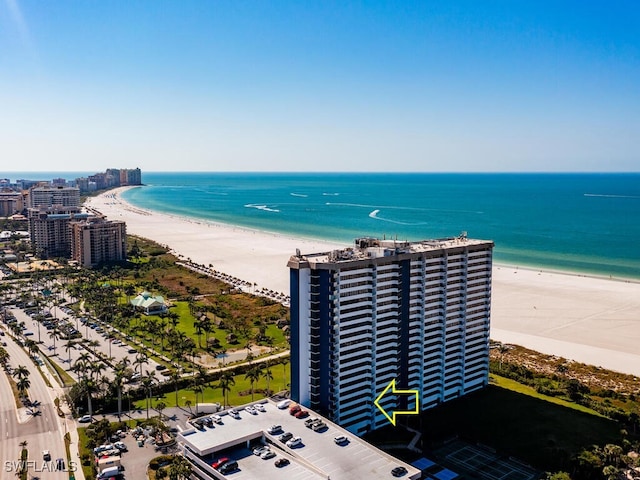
(10,203)
(98,241)
(50,232)
(414,312)
(49,196)
(134,177)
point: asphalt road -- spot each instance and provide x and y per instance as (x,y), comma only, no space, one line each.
(44,431)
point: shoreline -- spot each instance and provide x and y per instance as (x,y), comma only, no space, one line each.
(582,317)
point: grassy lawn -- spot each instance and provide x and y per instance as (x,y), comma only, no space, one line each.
(83,441)
(67,380)
(239,394)
(530,391)
(530,427)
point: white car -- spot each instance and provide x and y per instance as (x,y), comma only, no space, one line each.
(234,413)
(85,419)
(216,418)
(260,450)
(267,455)
(294,442)
(251,410)
(274,429)
(340,439)
(260,407)
(284,404)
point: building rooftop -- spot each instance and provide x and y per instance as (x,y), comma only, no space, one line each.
(368,248)
(318,457)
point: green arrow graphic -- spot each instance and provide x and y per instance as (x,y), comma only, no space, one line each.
(392,417)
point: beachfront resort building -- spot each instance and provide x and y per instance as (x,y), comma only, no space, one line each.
(50,232)
(414,312)
(54,196)
(97,241)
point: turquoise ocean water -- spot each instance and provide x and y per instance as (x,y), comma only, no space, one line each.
(587,223)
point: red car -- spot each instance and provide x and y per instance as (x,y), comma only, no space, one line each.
(302,414)
(294,409)
(219,463)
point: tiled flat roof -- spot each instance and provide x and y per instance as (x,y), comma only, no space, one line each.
(318,457)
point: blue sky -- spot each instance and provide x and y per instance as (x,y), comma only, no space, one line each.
(320,85)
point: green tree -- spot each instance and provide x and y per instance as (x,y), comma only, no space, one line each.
(253,375)
(225,383)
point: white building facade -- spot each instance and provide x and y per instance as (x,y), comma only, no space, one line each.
(414,312)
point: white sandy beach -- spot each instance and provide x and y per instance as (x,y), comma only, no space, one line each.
(590,320)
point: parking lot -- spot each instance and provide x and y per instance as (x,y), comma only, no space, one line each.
(136,458)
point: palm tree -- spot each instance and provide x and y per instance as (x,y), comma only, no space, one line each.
(68,347)
(225,383)
(207,326)
(268,376)
(174,319)
(160,406)
(284,373)
(147,384)
(55,335)
(141,358)
(175,377)
(23,385)
(88,386)
(21,372)
(129,290)
(197,324)
(32,347)
(253,376)
(96,368)
(119,376)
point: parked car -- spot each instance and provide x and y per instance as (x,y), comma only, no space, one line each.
(85,419)
(294,442)
(228,467)
(274,429)
(285,437)
(267,455)
(217,418)
(260,449)
(398,471)
(281,462)
(120,446)
(340,440)
(318,426)
(220,462)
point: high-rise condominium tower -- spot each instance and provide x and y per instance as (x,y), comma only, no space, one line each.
(414,312)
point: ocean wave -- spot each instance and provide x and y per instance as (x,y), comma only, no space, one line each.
(298,195)
(609,195)
(394,207)
(264,208)
(374,214)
